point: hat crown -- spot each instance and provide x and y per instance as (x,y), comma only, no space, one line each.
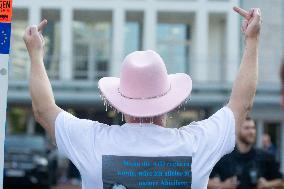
(143,75)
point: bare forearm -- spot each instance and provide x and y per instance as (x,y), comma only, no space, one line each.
(244,87)
(213,183)
(40,87)
(274,183)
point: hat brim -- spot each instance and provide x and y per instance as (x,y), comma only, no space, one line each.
(181,86)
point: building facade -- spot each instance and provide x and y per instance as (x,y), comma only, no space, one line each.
(86,40)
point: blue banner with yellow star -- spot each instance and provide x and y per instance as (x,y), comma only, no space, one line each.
(5,33)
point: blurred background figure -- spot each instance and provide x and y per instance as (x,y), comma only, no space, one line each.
(246,167)
(267,144)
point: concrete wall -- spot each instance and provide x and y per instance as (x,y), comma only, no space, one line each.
(272,38)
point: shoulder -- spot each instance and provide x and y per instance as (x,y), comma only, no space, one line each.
(228,158)
(263,156)
(225,163)
(67,121)
(223,116)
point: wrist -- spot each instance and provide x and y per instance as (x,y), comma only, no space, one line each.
(251,44)
(252,40)
(36,61)
(36,58)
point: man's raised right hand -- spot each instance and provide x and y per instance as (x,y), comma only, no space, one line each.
(252,22)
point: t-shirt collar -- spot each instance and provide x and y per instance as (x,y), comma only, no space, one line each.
(141,124)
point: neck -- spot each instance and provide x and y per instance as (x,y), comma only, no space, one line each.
(243,147)
(157,120)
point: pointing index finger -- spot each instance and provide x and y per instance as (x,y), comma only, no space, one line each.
(42,25)
(242,12)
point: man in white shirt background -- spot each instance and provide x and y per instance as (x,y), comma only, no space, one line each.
(142,153)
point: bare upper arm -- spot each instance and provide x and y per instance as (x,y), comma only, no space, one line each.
(240,112)
(46,118)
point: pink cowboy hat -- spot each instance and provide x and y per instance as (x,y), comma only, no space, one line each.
(145,89)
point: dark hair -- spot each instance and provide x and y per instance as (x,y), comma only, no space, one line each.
(249,118)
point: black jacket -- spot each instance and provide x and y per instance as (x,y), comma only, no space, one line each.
(248,167)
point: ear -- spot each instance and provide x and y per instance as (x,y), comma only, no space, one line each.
(127,118)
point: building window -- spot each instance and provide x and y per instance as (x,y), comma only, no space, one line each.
(91,44)
(19,56)
(173,41)
(217,47)
(52,37)
(133,32)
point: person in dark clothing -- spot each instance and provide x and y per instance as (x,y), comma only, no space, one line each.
(246,167)
(267,145)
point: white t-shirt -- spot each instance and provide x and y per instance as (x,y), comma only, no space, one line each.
(145,155)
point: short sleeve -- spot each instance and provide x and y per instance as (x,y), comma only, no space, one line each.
(213,137)
(75,138)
